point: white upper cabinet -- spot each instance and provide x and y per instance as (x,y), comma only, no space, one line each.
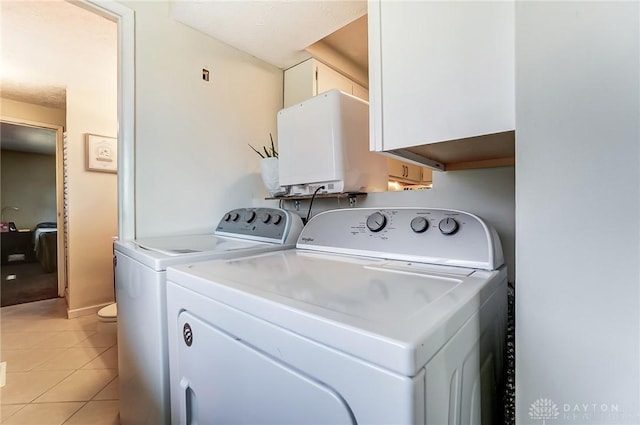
(311,78)
(442,72)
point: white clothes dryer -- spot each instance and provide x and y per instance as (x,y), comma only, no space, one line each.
(379,316)
(140,270)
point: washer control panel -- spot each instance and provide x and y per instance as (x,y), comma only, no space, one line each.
(428,235)
(261,224)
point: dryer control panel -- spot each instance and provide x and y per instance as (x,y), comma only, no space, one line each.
(260,224)
(425,235)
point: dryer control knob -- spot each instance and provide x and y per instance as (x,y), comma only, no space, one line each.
(235,216)
(250,216)
(277,219)
(448,226)
(227,217)
(419,224)
(376,222)
(266,217)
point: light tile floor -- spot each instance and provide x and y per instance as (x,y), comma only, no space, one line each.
(59,370)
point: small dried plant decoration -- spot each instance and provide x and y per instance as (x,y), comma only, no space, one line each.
(268,152)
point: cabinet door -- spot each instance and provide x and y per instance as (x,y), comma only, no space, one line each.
(403,171)
(414,172)
(329,79)
(299,83)
(311,78)
(396,169)
(360,92)
(440,71)
(427,175)
(16,246)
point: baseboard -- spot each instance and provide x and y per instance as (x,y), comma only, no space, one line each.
(85,311)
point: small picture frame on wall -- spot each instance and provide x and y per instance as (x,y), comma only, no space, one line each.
(101,153)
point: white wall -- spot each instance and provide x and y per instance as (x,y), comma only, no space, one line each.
(192,158)
(578,215)
(93,196)
(488,193)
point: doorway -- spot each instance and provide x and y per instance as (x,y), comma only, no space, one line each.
(30,270)
(120,126)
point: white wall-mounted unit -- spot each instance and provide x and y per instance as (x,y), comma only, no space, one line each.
(324,141)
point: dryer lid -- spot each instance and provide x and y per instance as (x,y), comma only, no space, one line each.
(392,313)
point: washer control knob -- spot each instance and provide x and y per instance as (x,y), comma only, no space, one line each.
(235,216)
(227,217)
(277,219)
(266,217)
(448,226)
(419,224)
(376,222)
(250,216)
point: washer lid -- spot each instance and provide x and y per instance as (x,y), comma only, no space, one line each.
(395,314)
(161,252)
(179,245)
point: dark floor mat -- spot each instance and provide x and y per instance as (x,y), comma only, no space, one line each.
(26,282)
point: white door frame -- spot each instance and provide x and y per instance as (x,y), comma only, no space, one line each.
(61,239)
(125,19)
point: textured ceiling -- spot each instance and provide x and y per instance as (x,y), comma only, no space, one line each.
(45,44)
(275,31)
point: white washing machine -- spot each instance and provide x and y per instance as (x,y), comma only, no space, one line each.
(141,293)
(387,316)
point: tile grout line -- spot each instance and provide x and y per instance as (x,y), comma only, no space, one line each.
(104,343)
